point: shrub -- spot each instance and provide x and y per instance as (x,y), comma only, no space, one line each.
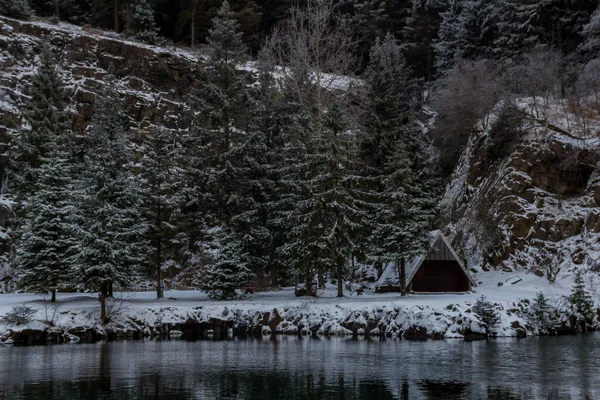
(20,315)
(486,310)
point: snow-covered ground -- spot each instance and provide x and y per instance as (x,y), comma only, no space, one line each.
(443,315)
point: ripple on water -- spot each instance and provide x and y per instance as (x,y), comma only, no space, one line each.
(306,368)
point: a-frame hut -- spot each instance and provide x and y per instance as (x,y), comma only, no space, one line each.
(439,271)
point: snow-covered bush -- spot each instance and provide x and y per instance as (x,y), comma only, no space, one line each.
(486,311)
(540,313)
(19,315)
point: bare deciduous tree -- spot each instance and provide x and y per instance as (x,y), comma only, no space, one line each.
(537,75)
(464,97)
(315,50)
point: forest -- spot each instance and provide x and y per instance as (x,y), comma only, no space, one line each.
(312,147)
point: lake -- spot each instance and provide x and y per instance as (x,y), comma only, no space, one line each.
(565,367)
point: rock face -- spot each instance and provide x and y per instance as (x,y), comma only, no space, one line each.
(154,81)
(538,207)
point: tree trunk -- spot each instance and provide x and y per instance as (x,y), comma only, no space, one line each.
(274,277)
(103,294)
(402,277)
(53,296)
(109,290)
(320,279)
(116,14)
(159,289)
(193,28)
(340,284)
(309,283)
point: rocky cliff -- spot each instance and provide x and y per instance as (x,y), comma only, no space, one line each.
(154,81)
(537,208)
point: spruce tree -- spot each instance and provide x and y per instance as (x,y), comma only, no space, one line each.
(262,159)
(486,310)
(160,184)
(400,177)
(15,8)
(467,31)
(145,26)
(47,118)
(325,213)
(389,97)
(401,219)
(112,233)
(228,267)
(591,36)
(186,20)
(42,174)
(580,299)
(518,28)
(540,312)
(419,36)
(46,234)
(218,191)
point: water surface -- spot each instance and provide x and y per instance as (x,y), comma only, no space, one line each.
(306,368)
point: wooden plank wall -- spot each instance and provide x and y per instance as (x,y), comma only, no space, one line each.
(440,252)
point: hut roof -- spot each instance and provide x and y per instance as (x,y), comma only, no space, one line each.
(389,277)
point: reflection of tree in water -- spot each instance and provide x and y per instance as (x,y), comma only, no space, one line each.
(502,394)
(443,390)
(286,385)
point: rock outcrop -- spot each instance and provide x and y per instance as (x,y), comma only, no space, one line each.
(537,208)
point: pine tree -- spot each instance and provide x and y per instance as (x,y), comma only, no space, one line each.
(145,26)
(487,312)
(42,175)
(400,175)
(401,218)
(580,299)
(591,36)
(15,8)
(217,194)
(160,183)
(186,20)
(467,31)
(262,158)
(47,119)
(540,312)
(112,246)
(419,36)
(519,28)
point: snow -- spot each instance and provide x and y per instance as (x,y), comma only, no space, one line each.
(438,314)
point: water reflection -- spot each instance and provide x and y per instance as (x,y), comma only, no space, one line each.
(303,368)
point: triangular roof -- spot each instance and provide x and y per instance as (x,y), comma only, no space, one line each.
(389,277)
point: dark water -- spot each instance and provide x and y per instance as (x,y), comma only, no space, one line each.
(303,368)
